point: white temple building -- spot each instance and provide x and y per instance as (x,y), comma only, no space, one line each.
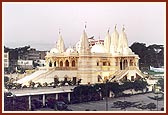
(93,64)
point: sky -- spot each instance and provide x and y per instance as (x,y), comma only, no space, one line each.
(38,24)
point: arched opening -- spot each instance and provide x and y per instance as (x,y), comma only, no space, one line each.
(121,65)
(61,64)
(104,63)
(131,63)
(125,63)
(99,78)
(125,78)
(67,63)
(97,63)
(132,78)
(73,63)
(137,77)
(55,64)
(50,64)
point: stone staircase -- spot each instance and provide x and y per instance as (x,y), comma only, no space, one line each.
(43,76)
(121,73)
(26,79)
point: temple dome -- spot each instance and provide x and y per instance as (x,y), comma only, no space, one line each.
(127,51)
(98,48)
(69,50)
(54,50)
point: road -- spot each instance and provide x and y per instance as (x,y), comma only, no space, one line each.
(101,105)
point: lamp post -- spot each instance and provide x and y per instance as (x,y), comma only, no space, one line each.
(106,88)
(156,91)
(106,96)
(13,101)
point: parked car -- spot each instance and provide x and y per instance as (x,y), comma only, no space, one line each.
(36,104)
(60,105)
(57,105)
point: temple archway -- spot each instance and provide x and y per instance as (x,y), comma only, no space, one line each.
(61,64)
(50,64)
(131,63)
(73,63)
(55,64)
(121,65)
(67,63)
(125,64)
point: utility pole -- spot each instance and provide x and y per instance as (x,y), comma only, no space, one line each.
(106,96)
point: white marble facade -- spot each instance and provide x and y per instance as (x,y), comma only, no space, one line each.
(114,58)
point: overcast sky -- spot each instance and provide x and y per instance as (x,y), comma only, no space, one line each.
(37,24)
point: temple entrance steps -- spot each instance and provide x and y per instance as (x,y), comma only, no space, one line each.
(43,75)
(26,79)
(118,75)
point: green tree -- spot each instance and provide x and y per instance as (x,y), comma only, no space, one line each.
(79,81)
(45,84)
(38,84)
(6,78)
(151,106)
(31,84)
(139,85)
(161,84)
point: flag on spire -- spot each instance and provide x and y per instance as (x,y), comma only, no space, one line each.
(108,30)
(85,24)
(59,31)
(123,28)
(115,26)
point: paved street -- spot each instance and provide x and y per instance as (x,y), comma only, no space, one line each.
(101,105)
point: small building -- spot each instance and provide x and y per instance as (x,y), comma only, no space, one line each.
(6,59)
(25,64)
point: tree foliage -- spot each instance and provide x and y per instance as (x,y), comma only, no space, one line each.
(153,55)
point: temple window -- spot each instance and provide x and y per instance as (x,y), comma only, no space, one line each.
(55,63)
(131,63)
(121,65)
(132,78)
(67,63)
(73,63)
(61,64)
(50,64)
(97,63)
(104,63)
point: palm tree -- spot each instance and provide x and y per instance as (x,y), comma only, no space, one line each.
(79,81)
(31,84)
(151,106)
(45,84)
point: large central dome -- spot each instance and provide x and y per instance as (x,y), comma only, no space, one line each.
(98,48)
